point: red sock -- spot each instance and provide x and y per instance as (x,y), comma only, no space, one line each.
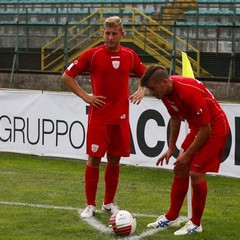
(178,193)
(91,183)
(198,201)
(111,182)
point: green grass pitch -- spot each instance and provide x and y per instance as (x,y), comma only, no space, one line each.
(40,199)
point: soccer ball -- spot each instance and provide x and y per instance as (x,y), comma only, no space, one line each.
(123,223)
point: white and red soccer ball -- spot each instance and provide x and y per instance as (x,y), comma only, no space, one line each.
(123,223)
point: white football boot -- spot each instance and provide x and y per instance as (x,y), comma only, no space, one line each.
(89,211)
(189,228)
(162,222)
(109,208)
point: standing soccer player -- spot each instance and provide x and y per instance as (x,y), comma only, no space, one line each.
(108,131)
(202,149)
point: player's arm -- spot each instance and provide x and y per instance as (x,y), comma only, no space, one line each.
(96,101)
(175,123)
(139,70)
(137,96)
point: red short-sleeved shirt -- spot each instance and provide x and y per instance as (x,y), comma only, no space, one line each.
(192,101)
(110,73)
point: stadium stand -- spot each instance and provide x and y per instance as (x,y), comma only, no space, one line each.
(199,27)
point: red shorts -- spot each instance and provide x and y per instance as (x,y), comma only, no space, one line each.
(111,139)
(209,156)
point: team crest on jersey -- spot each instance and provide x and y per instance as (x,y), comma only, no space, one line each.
(94,147)
(199,112)
(116,64)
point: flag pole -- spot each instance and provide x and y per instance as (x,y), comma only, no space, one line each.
(188,72)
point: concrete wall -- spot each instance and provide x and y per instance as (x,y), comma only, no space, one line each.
(52,82)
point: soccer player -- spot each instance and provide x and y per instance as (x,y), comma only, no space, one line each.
(201,150)
(108,131)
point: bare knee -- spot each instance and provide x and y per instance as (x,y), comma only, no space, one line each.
(113,160)
(181,170)
(93,161)
(197,177)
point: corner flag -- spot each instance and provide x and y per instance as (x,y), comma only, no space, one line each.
(186,66)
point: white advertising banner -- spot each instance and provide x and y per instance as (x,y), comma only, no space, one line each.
(55,124)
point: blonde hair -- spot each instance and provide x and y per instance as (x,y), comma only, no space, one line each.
(114,21)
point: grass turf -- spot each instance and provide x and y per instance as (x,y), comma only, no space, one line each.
(44,183)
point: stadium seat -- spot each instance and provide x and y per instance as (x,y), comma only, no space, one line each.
(218,1)
(79,1)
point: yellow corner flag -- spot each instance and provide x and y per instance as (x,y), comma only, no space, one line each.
(186,66)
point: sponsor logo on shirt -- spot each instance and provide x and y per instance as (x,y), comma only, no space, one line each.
(123,116)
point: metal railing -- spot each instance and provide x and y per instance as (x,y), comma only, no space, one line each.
(212,40)
(140,29)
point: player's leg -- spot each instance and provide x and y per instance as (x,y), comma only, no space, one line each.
(119,146)
(96,148)
(91,183)
(111,177)
(199,196)
(202,162)
(178,192)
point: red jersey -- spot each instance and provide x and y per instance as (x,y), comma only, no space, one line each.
(110,72)
(192,101)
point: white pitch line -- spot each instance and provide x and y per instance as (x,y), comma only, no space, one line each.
(142,235)
(152,231)
(93,222)
(37,205)
(63,208)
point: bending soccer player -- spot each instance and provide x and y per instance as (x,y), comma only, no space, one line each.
(108,131)
(201,150)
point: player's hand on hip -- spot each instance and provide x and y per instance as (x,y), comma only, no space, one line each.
(95,101)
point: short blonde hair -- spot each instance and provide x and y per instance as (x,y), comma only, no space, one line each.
(114,21)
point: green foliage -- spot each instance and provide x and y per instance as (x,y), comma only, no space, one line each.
(43,184)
